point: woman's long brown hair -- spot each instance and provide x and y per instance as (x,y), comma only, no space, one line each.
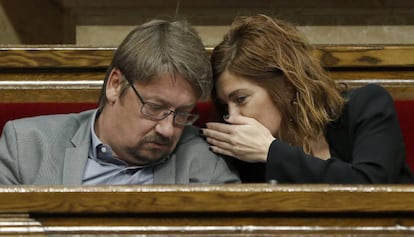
(272,54)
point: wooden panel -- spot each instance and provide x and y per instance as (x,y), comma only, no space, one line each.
(56,57)
(208,210)
(65,74)
(332,56)
(366,56)
(198,199)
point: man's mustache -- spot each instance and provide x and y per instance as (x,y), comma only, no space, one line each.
(158,139)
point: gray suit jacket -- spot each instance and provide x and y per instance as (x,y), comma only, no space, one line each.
(52,150)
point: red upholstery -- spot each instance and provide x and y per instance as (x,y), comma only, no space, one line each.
(206,112)
(405,110)
(10,111)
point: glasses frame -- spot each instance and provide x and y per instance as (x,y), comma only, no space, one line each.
(167,111)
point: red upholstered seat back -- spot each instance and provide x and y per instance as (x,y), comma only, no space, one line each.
(405,110)
(8,111)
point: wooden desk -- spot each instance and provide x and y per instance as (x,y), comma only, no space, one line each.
(208,210)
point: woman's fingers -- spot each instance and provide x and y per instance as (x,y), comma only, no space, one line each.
(221,127)
(220,142)
(215,134)
(222,151)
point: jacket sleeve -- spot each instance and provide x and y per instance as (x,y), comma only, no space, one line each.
(8,156)
(376,143)
(208,167)
(197,164)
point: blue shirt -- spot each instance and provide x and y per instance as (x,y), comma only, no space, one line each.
(103,167)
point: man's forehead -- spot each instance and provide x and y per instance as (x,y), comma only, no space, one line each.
(171,93)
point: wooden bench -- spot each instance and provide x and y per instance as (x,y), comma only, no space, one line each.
(208,210)
(58,80)
(44,80)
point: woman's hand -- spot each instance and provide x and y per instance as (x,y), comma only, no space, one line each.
(244,138)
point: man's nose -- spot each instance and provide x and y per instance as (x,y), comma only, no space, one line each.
(165,127)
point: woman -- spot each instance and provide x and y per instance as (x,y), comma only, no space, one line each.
(285,115)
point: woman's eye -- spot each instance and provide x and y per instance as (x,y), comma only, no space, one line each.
(240,99)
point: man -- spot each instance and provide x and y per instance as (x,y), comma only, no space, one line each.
(140,134)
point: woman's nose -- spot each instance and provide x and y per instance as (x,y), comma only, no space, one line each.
(233,110)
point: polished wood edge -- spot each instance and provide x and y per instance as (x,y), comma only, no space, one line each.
(56,57)
(52,85)
(254,188)
(331,56)
(97,84)
(238,198)
(64,90)
(232,230)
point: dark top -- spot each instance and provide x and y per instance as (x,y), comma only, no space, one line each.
(366,146)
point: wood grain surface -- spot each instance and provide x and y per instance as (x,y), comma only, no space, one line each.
(68,74)
(208,210)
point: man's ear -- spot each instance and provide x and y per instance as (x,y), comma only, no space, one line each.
(113,85)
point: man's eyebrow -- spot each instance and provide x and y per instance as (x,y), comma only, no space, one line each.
(161,101)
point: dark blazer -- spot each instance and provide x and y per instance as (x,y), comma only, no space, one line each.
(366,146)
(54,150)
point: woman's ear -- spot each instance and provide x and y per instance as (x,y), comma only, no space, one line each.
(291,92)
(113,85)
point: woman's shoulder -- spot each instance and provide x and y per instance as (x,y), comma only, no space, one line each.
(369,100)
(369,94)
(369,91)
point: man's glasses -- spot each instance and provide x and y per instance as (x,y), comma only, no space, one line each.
(159,112)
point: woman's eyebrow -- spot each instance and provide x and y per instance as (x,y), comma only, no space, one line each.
(237,91)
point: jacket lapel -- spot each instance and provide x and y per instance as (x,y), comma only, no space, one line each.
(74,165)
(77,156)
(165,173)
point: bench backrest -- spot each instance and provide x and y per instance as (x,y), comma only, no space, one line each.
(39,80)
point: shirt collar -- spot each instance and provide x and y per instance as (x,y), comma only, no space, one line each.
(95,140)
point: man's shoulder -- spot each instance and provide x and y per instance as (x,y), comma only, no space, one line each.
(55,122)
(191,142)
(191,134)
(53,119)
